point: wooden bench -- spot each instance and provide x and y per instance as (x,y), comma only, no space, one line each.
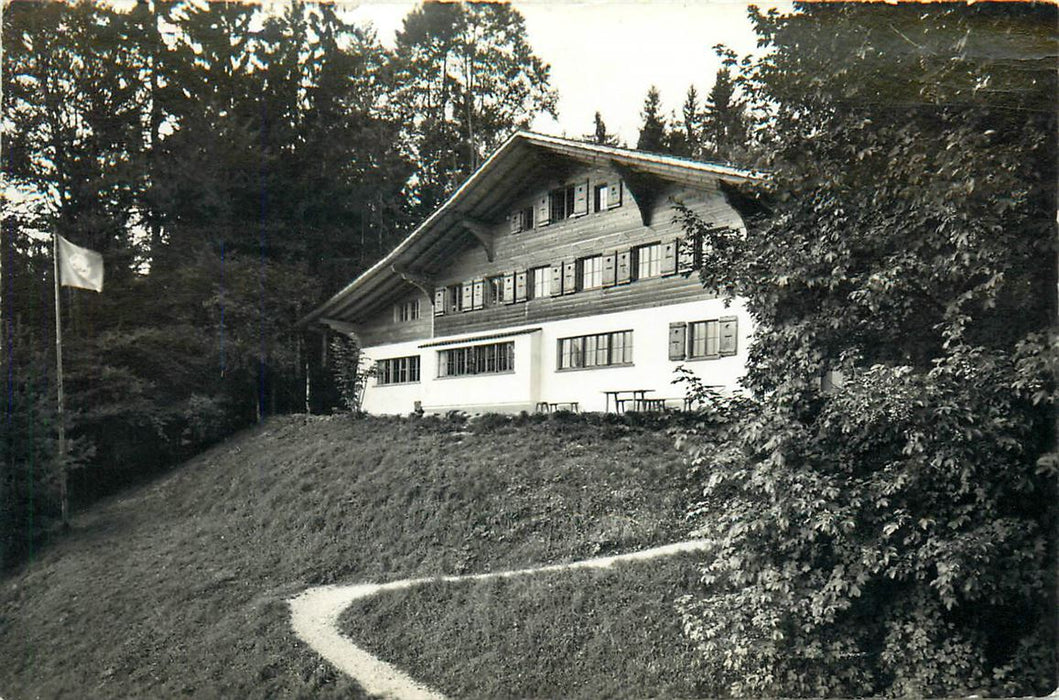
(553,406)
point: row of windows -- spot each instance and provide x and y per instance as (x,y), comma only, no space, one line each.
(567,202)
(599,350)
(592,272)
(477,359)
(397,370)
(696,340)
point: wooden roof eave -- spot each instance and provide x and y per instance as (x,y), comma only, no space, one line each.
(479,197)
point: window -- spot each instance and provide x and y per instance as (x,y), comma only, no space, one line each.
(648,261)
(590,272)
(522,220)
(599,350)
(406,311)
(455,297)
(540,282)
(562,202)
(599,197)
(494,291)
(703,340)
(397,370)
(478,359)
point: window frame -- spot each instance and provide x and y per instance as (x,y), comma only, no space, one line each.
(390,370)
(476,360)
(546,275)
(653,262)
(597,273)
(581,352)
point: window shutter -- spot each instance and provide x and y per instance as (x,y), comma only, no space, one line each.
(479,294)
(624,267)
(439,301)
(515,222)
(544,211)
(729,336)
(610,270)
(557,279)
(467,302)
(614,195)
(509,288)
(520,286)
(678,340)
(669,257)
(570,277)
(581,199)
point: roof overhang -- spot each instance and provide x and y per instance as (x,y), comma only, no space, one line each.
(479,202)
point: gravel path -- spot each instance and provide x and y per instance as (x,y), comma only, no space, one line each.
(315,613)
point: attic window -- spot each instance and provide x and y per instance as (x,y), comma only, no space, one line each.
(562,202)
(406,311)
(522,220)
(599,198)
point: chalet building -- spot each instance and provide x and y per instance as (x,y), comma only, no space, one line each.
(556,273)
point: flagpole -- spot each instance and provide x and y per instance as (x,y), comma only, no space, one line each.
(59,384)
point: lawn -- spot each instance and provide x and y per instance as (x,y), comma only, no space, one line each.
(587,633)
(178,588)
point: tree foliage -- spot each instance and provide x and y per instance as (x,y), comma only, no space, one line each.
(235,165)
(653,135)
(894,536)
(464,78)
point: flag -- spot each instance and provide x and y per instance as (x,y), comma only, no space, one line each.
(80,267)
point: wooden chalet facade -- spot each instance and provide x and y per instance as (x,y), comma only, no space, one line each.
(555,273)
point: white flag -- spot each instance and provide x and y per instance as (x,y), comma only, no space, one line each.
(80,267)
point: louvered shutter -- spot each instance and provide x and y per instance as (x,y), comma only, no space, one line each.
(729,342)
(478,297)
(624,266)
(569,277)
(467,296)
(515,222)
(439,301)
(669,257)
(557,279)
(520,286)
(581,199)
(610,270)
(544,212)
(614,195)
(509,288)
(678,340)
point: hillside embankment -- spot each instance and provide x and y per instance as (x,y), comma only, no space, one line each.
(179,587)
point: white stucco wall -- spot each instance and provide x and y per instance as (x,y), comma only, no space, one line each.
(536,378)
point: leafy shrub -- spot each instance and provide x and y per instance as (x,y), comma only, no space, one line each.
(351,371)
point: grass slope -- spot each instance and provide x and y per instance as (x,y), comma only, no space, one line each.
(178,588)
(577,634)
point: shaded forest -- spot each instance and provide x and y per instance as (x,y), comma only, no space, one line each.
(234,167)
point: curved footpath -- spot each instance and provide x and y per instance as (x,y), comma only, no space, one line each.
(315,612)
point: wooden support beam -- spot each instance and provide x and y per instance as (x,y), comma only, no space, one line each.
(340,326)
(420,282)
(481,231)
(645,188)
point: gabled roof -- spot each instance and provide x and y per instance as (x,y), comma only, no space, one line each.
(483,199)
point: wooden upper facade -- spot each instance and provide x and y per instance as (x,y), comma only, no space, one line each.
(547,229)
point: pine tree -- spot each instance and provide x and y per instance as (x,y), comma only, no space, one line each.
(653,126)
(600,135)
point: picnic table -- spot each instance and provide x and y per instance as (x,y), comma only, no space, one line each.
(623,396)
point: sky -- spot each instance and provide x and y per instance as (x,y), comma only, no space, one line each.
(605,54)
